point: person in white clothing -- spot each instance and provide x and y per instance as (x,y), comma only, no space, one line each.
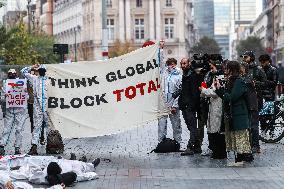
(39,84)
(14,119)
(34,168)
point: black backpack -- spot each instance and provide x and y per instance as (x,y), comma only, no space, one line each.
(167,145)
(54,143)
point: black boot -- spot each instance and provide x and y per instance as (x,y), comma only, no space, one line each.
(17,151)
(96,162)
(83,159)
(2,151)
(248,157)
(72,156)
(33,150)
(197,148)
(239,158)
(189,151)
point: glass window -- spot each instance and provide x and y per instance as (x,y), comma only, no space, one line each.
(169,28)
(139,28)
(138,3)
(110,29)
(109,3)
(169,3)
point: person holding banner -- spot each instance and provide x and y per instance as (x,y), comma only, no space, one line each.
(39,84)
(16,114)
(170,81)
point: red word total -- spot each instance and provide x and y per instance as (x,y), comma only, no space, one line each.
(139,89)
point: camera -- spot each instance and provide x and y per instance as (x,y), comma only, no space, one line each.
(203,62)
(200,62)
(217,60)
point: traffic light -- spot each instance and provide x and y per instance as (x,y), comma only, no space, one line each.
(60,48)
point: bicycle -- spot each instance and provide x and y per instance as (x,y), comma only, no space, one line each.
(272,125)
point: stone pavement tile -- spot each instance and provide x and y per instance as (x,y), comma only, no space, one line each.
(267,172)
(193,173)
(122,172)
(169,173)
(157,173)
(101,172)
(146,173)
(277,168)
(111,173)
(134,173)
(180,173)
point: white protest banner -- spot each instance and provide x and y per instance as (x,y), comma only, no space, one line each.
(16,95)
(88,99)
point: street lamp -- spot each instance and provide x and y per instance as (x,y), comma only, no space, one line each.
(29,17)
(75,32)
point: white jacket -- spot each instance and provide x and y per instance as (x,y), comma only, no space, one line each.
(215,108)
(170,83)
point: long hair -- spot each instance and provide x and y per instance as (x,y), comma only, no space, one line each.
(234,72)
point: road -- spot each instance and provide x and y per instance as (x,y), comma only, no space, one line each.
(127,163)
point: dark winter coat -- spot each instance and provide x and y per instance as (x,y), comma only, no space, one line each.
(271,82)
(258,76)
(189,97)
(238,107)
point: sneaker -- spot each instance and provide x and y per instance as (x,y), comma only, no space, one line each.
(235,164)
(187,152)
(17,151)
(83,159)
(33,150)
(207,152)
(96,162)
(73,156)
(2,151)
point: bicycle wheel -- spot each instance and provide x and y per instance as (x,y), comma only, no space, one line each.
(273,131)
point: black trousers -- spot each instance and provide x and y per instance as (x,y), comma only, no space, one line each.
(190,119)
(217,144)
(254,123)
(30,111)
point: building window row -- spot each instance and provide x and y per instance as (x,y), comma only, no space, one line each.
(109,3)
(169,28)
(110,29)
(139,28)
(169,3)
(139,3)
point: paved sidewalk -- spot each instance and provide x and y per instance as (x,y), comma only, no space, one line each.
(127,163)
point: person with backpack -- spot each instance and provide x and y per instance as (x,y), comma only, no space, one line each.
(14,119)
(39,84)
(258,78)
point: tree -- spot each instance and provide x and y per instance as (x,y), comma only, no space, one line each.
(42,44)
(120,48)
(20,48)
(252,43)
(206,45)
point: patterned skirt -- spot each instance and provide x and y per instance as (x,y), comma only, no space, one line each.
(237,141)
